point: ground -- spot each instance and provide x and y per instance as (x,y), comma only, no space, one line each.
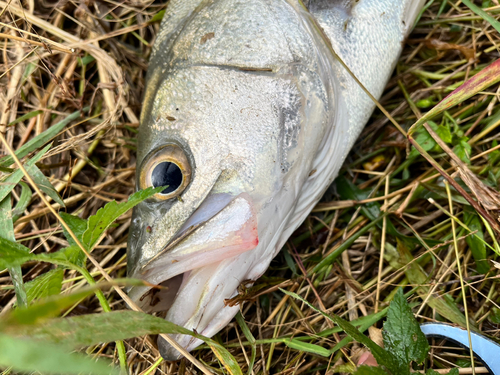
(63,57)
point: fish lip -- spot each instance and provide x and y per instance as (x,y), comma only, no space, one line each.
(186,230)
(175,240)
(164,266)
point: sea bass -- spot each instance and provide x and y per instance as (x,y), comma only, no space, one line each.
(247,118)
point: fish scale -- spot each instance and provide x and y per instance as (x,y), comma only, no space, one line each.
(248,99)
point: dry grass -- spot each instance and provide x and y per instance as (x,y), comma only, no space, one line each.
(92,162)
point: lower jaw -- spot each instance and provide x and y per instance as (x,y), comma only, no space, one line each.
(169,353)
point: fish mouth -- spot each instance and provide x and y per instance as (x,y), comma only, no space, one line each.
(223,227)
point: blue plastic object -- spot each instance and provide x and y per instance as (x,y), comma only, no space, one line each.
(484,348)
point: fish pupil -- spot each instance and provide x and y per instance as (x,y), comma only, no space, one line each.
(167,174)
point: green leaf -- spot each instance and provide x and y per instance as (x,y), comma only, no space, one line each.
(444,133)
(41,139)
(476,242)
(383,357)
(28,356)
(486,4)
(424,139)
(43,309)
(44,185)
(289,261)
(45,285)
(23,202)
(494,156)
(364,323)
(307,347)
(30,68)
(428,143)
(463,150)
(348,190)
(425,103)
(100,222)
(402,334)
(76,224)
(73,253)
(12,253)
(494,315)
(158,16)
(85,60)
(370,370)
(13,179)
(92,329)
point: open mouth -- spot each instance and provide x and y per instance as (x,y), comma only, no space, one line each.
(222,227)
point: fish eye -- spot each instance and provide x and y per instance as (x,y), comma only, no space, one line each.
(166,166)
(167,174)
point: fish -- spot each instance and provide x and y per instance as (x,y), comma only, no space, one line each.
(247,117)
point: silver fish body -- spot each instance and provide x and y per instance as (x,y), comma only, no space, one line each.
(247,117)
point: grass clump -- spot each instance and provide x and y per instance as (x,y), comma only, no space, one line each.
(418,213)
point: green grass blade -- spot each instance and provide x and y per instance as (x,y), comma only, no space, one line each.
(16,275)
(479,82)
(25,117)
(248,334)
(41,139)
(329,259)
(23,202)
(225,357)
(481,13)
(7,231)
(364,323)
(13,179)
(86,330)
(44,309)
(476,242)
(44,184)
(307,347)
(158,16)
